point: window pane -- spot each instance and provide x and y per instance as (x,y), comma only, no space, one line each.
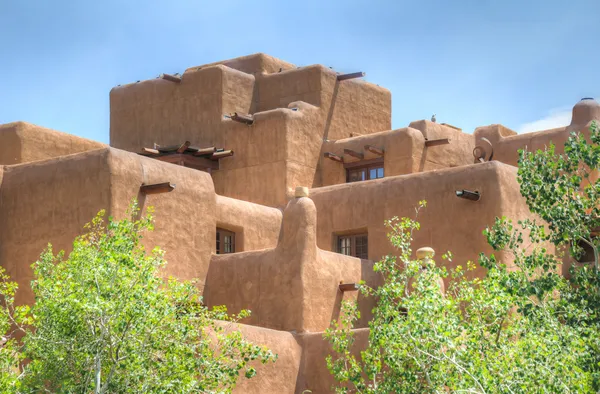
(225,241)
(344,245)
(228,244)
(373,173)
(361,247)
(380,172)
(356,175)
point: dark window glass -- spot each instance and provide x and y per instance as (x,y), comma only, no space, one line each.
(361,250)
(345,245)
(353,245)
(587,255)
(365,173)
(357,175)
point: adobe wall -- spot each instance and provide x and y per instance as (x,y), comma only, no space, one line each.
(22,142)
(256,226)
(292,287)
(278,377)
(448,223)
(314,375)
(506,142)
(50,201)
(405,151)
(281,143)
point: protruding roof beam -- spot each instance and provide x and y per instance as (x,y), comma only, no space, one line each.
(334,157)
(353,153)
(156,188)
(343,77)
(183,147)
(222,154)
(150,151)
(348,287)
(374,150)
(170,78)
(468,195)
(205,151)
(441,141)
(243,118)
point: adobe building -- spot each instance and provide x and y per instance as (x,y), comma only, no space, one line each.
(271,185)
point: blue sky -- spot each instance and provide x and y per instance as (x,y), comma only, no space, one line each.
(472,62)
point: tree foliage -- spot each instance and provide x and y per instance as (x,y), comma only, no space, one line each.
(519,330)
(105,321)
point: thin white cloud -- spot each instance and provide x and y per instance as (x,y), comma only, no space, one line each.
(558,117)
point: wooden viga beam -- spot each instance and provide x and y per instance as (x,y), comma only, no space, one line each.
(150,151)
(170,78)
(343,77)
(441,141)
(222,154)
(183,147)
(205,151)
(334,157)
(156,188)
(348,287)
(374,150)
(354,153)
(243,118)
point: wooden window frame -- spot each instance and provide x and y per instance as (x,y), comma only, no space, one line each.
(352,238)
(221,232)
(365,165)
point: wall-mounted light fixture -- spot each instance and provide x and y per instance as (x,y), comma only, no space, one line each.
(468,195)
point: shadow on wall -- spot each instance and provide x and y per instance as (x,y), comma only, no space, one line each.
(10,145)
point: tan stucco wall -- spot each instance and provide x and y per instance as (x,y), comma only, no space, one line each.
(448,222)
(256,226)
(292,287)
(22,142)
(282,143)
(506,142)
(50,201)
(278,377)
(404,151)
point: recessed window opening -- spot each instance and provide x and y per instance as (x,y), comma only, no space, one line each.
(225,241)
(357,172)
(355,245)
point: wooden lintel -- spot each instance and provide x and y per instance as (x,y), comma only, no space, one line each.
(374,150)
(441,141)
(205,151)
(183,147)
(150,151)
(156,188)
(243,118)
(353,153)
(363,163)
(170,78)
(343,77)
(348,287)
(222,154)
(334,157)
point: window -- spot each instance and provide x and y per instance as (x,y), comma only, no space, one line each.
(353,245)
(587,253)
(364,171)
(225,241)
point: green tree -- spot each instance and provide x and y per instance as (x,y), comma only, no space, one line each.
(105,321)
(524,330)
(12,318)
